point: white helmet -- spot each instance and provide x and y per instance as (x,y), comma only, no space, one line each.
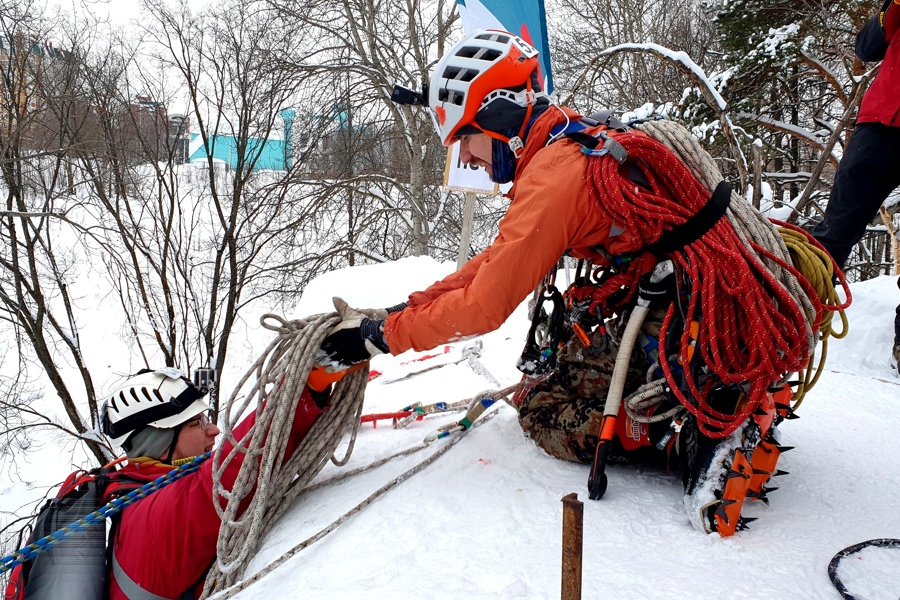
(163,398)
(485,66)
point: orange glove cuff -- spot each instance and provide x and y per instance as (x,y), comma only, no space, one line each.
(319,379)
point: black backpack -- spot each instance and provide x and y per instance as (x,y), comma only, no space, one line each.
(76,567)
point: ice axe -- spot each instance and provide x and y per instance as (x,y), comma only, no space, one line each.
(646,295)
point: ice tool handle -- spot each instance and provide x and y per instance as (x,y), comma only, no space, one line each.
(597,478)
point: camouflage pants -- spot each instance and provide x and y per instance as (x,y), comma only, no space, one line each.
(562,414)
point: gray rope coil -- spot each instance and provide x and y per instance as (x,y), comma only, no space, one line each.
(274,479)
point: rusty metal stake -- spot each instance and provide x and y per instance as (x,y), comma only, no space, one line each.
(573,527)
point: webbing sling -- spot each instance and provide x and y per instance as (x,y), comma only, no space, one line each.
(694,228)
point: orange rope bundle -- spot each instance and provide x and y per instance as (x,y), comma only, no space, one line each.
(751,329)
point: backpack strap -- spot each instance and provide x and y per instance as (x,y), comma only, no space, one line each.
(693,229)
(119,486)
(605,117)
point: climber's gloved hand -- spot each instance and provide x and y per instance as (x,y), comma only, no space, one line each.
(356,339)
(382,313)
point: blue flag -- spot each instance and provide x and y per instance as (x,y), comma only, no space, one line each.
(525,18)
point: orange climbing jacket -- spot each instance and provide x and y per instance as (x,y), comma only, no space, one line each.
(552,211)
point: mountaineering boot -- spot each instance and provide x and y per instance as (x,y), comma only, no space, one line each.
(709,467)
(719,475)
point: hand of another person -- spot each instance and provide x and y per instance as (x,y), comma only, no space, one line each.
(356,339)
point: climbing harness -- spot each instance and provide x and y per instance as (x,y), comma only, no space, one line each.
(836,560)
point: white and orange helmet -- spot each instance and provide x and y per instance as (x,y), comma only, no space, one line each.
(483,68)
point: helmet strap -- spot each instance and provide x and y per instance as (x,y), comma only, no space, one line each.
(516,144)
(168,457)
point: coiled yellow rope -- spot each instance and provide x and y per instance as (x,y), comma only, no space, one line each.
(818,268)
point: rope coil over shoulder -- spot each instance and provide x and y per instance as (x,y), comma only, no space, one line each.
(741,278)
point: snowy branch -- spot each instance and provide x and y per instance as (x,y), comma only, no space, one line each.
(699,77)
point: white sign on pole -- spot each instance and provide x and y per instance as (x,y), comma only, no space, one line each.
(466,178)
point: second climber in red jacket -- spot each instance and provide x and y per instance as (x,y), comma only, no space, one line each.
(870,168)
(165,543)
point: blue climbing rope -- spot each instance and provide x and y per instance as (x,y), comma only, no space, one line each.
(29,552)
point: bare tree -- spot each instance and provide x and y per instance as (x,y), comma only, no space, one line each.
(36,268)
(360,50)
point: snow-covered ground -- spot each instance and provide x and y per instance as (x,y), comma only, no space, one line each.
(484,520)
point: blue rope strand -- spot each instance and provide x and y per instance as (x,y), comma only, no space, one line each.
(29,552)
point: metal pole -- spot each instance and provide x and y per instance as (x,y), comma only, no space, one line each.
(466,236)
(573,527)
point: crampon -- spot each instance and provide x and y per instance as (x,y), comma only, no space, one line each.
(739,469)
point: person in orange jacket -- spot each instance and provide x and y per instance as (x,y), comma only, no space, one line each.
(504,122)
(485,94)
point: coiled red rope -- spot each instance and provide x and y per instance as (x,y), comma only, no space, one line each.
(752,331)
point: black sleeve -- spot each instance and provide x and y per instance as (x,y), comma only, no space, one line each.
(870,43)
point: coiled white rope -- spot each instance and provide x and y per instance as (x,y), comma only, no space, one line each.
(272,478)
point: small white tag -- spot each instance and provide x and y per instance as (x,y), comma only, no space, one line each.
(170,372)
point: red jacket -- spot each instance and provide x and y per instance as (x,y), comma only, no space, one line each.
(166,541)
(879,40)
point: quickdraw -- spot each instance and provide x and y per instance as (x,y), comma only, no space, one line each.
(545,336)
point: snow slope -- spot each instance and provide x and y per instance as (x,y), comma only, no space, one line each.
(484,520)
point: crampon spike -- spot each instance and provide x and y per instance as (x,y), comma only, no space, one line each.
(737,482)
(760,496)
(744,522)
